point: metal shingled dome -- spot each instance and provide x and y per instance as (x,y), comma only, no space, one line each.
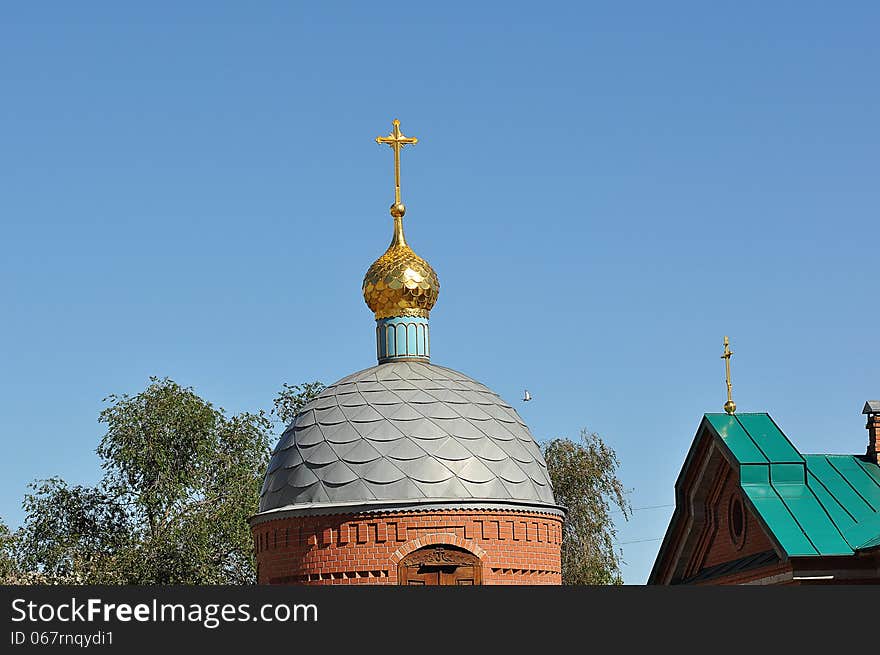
(405,432)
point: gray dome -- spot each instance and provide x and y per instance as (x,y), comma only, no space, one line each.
(403,434)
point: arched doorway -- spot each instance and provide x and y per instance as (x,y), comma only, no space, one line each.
(440,565)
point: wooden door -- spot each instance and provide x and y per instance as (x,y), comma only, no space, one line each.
(440,565)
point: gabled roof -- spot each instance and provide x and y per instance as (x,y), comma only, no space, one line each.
(809,505)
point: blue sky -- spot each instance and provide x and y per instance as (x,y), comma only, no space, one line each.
(194,192)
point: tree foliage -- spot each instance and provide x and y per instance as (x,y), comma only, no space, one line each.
(72,534)
(8,566)
(180,480)
(584,478)
(292,397)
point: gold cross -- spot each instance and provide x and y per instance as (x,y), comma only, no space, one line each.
(729,406)
(396,140)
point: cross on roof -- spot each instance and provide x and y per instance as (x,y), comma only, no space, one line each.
(729,406)
(396,141)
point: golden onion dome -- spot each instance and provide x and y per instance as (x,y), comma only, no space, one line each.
(400,283)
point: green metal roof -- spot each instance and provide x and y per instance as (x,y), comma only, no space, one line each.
(811,504)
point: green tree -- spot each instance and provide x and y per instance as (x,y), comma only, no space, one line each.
(180,480)
(8,565)
(584,478)
(72,534)
(293,397)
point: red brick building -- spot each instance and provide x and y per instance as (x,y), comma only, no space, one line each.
(751,509)
(407,472)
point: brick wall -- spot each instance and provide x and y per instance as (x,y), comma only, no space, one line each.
(513,547)
(722,548)
(874,438)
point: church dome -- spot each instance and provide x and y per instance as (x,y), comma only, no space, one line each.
(406,435)
(400,283)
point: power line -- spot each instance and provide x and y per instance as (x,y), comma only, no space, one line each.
(638,541)
(639,509)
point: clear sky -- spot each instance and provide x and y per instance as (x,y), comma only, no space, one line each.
(192,190)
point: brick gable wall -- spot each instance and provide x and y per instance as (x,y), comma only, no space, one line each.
(721,547)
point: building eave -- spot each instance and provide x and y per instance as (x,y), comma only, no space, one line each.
(419,505)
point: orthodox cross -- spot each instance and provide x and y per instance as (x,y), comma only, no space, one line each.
(729,406)
(396,140)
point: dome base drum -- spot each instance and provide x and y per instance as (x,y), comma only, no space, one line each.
(403,338)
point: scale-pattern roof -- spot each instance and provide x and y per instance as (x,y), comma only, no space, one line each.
(811,504)
(405,431)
